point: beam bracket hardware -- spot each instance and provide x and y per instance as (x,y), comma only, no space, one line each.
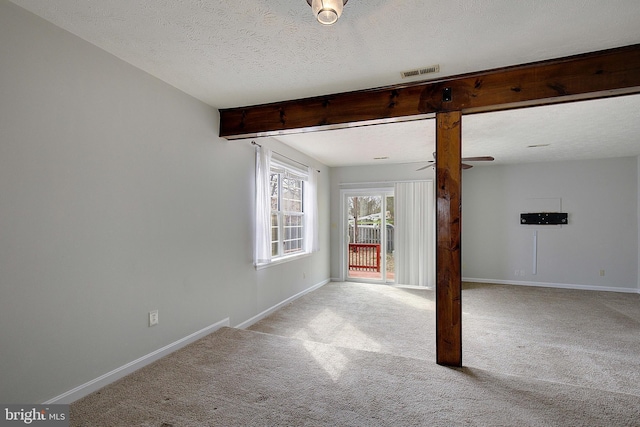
(446,94)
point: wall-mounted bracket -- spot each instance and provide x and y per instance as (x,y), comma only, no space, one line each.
(544,218)
(446,94)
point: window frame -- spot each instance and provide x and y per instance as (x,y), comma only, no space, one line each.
(279,226)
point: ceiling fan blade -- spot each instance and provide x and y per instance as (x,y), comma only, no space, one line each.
(464,166)
(424,167)
(478,159)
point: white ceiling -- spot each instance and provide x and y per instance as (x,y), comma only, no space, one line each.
(247,52)
(586,130)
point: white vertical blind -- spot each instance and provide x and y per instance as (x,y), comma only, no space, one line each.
(414,233)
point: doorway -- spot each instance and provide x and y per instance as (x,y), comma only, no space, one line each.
(369,235)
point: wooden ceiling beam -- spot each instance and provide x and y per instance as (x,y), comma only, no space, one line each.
(593,75)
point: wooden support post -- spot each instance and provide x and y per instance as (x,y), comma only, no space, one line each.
(448,236)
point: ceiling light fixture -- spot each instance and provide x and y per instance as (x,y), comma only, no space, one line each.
(327,12)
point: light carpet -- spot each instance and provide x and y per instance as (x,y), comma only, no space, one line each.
(352,354)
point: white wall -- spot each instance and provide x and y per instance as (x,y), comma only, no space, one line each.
(116,198)
(601,198)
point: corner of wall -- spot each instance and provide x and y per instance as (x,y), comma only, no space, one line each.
(638,214)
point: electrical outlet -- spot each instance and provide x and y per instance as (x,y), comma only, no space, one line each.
(153,318)
(601,273)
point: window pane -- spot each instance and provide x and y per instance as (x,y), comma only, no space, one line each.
(273,184)
(275,234)
(291,195)
(293,233)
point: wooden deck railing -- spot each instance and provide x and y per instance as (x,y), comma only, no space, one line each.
(364,257)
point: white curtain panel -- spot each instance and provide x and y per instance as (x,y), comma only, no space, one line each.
(263,207)
(311,237)
(414,233)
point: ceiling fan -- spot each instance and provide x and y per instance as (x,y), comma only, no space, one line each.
(464,159)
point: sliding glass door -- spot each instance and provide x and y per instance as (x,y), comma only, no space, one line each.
(368,235)
(389,234)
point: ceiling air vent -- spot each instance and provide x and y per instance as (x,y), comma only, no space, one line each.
(420,71)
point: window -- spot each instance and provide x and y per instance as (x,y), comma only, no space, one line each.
(287,213)
(286,209)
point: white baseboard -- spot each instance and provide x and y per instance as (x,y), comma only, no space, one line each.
(552,285)
(106,379)
(268,311)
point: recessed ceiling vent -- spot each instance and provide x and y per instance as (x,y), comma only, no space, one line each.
(420,71)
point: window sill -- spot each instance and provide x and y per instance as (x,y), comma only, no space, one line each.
(282,260)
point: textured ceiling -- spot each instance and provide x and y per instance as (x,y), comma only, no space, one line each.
(246,52)
(585,130)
